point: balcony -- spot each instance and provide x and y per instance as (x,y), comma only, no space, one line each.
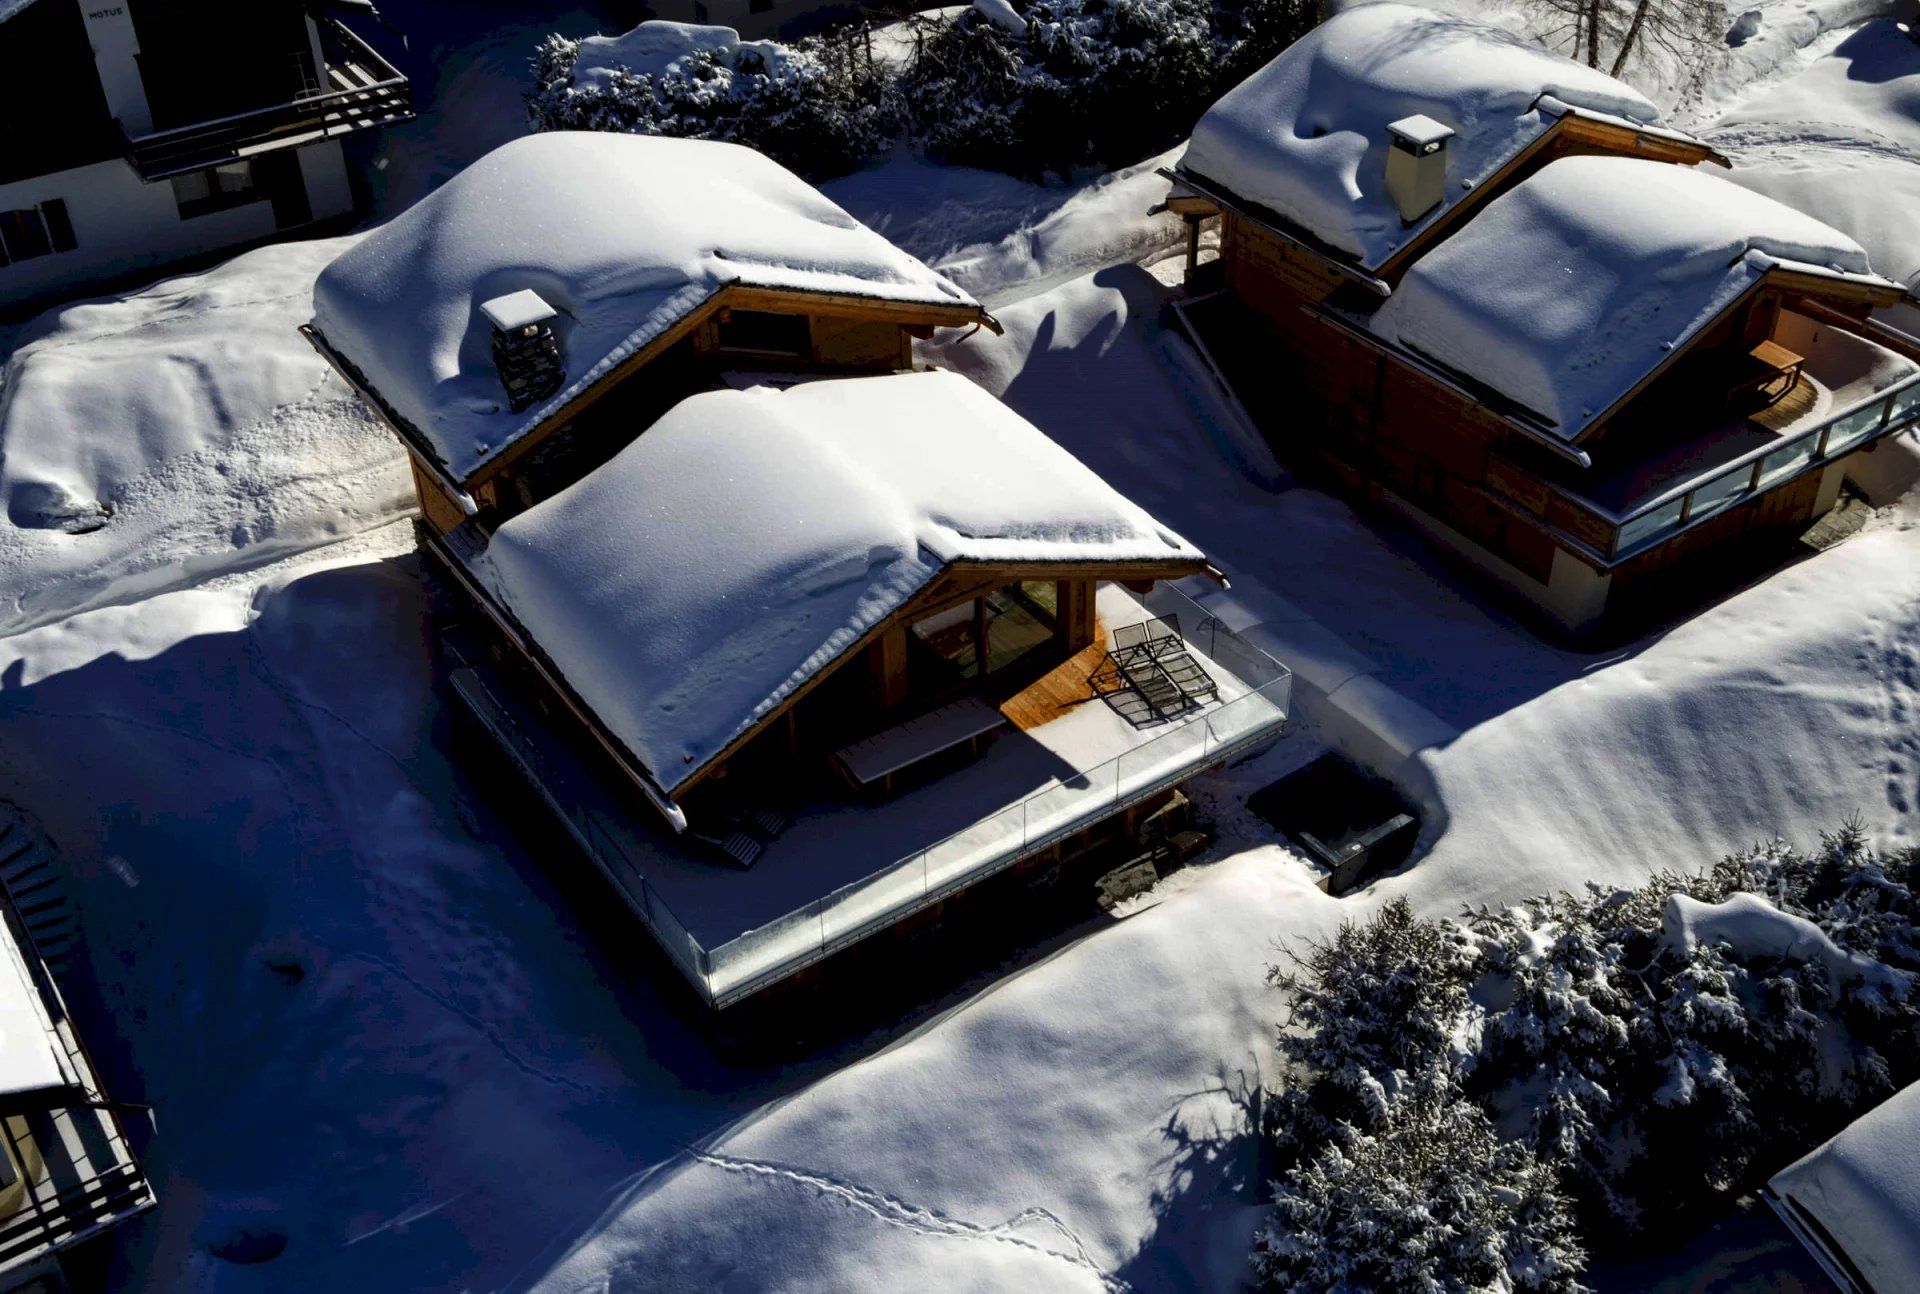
(844,870)
(1851,393)
(362,92)
(66,1169)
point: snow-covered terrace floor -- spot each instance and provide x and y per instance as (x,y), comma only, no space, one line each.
(845,868)
(1843,374)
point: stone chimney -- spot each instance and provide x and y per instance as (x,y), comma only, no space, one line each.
(526,353)
(1417,165)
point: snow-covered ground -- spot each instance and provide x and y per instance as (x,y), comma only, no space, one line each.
(382,1014)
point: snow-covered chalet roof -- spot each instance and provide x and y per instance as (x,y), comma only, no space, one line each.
(625,235)
(750,538)
(1567,290)
(1862,1189)
(1306,136)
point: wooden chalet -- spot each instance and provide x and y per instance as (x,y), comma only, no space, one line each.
(523,323)
(147,131)
(1428,283)
(808,659)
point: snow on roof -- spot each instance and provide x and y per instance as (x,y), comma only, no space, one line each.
(1571,287)
(1306,135)
(1861,1187)
(747,540)
(624,235)
(28,1059)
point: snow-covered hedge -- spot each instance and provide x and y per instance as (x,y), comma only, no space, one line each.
(821,107)
(1046,85)
(1646,1051)
(1027,86)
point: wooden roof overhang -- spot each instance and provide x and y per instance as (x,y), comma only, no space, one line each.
(955,582)
(913,315)
(1807,284)
(1573,126)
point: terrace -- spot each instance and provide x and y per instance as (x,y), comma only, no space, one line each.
(845,867)
(358,90)
(1848,392)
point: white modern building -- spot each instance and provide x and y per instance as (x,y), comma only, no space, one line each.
(144,131)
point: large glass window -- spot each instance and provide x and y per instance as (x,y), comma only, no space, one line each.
(1020,620)
(766,332)
(946,649)
(981,638)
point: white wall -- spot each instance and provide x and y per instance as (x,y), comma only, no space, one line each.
(324,167)
(110,31)
(123,225)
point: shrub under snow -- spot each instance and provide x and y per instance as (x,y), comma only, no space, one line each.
(1031,86)
(1647,1051)
(821,107)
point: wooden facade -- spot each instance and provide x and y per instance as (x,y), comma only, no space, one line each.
(1387,424)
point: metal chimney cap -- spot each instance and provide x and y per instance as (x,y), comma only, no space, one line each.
(1420,132)
(517,310)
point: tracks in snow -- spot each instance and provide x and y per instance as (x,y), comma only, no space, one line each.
(896,1212)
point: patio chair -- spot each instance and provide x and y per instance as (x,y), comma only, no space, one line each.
(1148,638)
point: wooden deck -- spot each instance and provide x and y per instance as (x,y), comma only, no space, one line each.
(1060,689)
(1796,404)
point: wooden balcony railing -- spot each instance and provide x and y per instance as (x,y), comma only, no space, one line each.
(369,92)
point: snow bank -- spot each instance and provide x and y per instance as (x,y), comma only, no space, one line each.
(623,234)
(1840,140)
(1862,1188)
(1569,288)
(654,48)
(179,432)
(1306,136)
(1749,926)
(750,538)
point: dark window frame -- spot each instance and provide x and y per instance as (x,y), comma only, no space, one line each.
(50,225)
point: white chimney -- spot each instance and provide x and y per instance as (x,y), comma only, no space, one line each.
(1417,165)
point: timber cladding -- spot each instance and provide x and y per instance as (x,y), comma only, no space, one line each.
(1270,273)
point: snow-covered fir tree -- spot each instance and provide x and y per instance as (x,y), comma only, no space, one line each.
(1649,1050)
(1033,86)
(1432,1201)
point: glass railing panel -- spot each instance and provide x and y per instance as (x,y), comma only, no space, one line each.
(980,846)
(1849,430)
(1721,492)
(1178,749)
(780,943)
(1651,525)
(854,908)
(1787,460)
(1906,404)
(1075,801)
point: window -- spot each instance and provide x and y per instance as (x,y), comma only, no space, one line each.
(218,188)
(1020,620)
(765,332)
(986,636)
(35,231)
